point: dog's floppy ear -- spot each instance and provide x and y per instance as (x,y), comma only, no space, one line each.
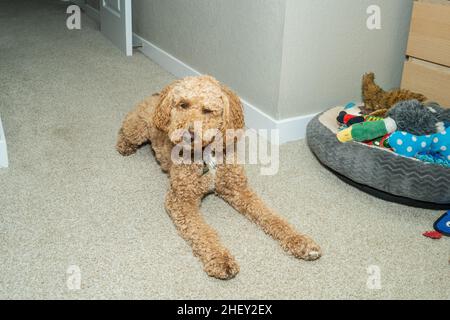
(233,114)
(161,117)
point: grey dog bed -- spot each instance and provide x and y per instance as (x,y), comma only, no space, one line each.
(378,171)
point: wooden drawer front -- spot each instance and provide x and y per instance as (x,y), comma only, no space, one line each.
(429,37)
(431,80)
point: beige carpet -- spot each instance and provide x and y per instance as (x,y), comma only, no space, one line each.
(69,199)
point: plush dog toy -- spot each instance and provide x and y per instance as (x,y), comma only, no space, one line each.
(419,119)
(409,145)
(410,116)
(368,130)
(378,102)
(348,119)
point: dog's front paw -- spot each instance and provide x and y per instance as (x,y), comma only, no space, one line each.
(222,266)
(124,147)
(303,247)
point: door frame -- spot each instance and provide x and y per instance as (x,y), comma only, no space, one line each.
(94,14)
(108,22)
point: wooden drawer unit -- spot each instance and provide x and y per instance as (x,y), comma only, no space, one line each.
(429,37)
(429,79)
(427,69)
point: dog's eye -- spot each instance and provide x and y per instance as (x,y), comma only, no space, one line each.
(207,111)
(184,105)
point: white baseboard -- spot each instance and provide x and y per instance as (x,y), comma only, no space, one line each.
(290,129)
(3,149)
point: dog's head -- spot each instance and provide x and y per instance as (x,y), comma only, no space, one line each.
(191,101)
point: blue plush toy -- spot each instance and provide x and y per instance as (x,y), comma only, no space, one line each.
(409,145)
(443,224)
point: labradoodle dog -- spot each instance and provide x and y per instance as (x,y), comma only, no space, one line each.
(158,120)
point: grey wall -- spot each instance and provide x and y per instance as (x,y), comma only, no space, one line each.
(287,57)
(239,42)
(327,47)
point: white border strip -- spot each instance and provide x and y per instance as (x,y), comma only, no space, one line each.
(290,129)
(3,150)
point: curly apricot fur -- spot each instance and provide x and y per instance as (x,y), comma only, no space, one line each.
(178,106)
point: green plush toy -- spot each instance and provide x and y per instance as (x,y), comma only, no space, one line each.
(366,131)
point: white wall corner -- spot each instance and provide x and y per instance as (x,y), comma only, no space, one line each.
(3,149)
(290,129)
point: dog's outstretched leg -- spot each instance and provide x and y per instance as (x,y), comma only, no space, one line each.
(134,131)
(231,185)
(188,187)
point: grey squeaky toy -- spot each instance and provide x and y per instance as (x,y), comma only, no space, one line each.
(419,118)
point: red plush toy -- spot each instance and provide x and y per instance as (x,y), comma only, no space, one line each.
(349,119)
